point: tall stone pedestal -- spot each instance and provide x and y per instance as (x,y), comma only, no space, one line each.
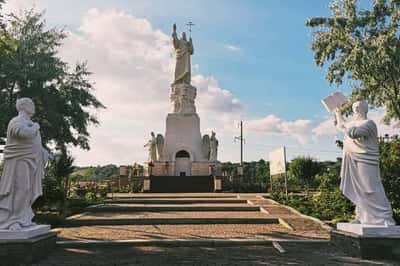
(368,241)
(26,246)
(183,134)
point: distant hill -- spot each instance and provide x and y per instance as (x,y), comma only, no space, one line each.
(95,173)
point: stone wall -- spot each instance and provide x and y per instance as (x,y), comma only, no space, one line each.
(200,168)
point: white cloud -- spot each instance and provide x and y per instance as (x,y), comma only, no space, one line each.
(231,47)
(211,97)
(326,127)
(298,129)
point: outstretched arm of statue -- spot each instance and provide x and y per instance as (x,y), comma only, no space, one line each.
(25,131)
(174,37)
(360,131)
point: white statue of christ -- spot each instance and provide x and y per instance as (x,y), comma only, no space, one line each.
(360,175)
(183,51)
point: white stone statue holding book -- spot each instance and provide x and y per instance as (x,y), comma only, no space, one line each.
(360,175)
(24,163)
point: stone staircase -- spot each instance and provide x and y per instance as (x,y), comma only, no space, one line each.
(174,219)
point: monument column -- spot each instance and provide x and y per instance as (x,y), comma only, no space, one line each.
(183,123)
(183,151)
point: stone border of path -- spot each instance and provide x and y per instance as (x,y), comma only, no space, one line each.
(280,220)
(323,225)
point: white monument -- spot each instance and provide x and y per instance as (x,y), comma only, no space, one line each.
(360,176)
(183,151)
(21,180)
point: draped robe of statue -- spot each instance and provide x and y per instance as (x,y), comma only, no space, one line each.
(21,180)
(360,175)
(183,51)
(152,148)
(213,148)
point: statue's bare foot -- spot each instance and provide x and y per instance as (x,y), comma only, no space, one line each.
(15,227)
(355,221)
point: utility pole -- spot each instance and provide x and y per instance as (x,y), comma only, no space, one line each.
(286,177)
(241,142)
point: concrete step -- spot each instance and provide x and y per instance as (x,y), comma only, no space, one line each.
(164,208)
(169,221)
(171,195)
(175,201)
(207,242)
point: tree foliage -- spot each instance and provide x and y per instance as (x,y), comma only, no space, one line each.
(390,172)
(30,67)
(95,173)
(304,169)
(362,46)
(255,176)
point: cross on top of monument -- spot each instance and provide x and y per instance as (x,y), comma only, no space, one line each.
(190,24)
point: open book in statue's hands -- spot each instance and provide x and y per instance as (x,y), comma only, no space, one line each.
(334,101)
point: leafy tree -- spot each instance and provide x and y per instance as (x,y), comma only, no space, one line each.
(304,169)
(31,67)
(390,172)
(60,170)
(362,46)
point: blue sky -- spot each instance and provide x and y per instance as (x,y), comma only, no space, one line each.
(252,62)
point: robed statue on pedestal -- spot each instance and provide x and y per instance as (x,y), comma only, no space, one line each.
(183,51)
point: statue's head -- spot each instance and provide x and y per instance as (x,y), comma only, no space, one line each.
(184,36)
(152,134)
(360,107)
(212,133)
(25,105)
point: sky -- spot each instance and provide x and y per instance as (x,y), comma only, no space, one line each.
(252,61)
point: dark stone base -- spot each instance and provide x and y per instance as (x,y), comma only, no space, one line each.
(367,247)
(181,184)
(26,251)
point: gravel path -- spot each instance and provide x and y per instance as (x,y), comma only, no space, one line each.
(125,232)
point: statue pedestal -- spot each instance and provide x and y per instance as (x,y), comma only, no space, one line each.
(369,229)
(368,241)
(26,246)
(25,233)
(183,134)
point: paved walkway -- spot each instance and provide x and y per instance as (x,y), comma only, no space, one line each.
(172,229)
(229,256)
